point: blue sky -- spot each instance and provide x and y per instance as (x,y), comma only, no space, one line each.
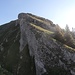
(61,12)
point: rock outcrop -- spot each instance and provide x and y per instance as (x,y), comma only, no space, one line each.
(49,55)
(28,47)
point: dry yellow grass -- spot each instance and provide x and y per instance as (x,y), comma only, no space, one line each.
(69,47)
(38,19)
(41,29)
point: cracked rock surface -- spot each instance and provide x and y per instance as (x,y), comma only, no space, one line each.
(29,48)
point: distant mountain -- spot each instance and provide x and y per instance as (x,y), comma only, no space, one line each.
(32,45)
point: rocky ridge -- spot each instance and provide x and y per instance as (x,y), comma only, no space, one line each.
(34,51)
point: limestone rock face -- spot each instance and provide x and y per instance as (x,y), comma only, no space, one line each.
(49,55)
(28,47)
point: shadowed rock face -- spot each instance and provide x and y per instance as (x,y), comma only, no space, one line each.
(29,48)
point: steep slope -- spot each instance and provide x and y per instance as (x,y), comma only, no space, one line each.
(10,51)
(28,47)
(9,45)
